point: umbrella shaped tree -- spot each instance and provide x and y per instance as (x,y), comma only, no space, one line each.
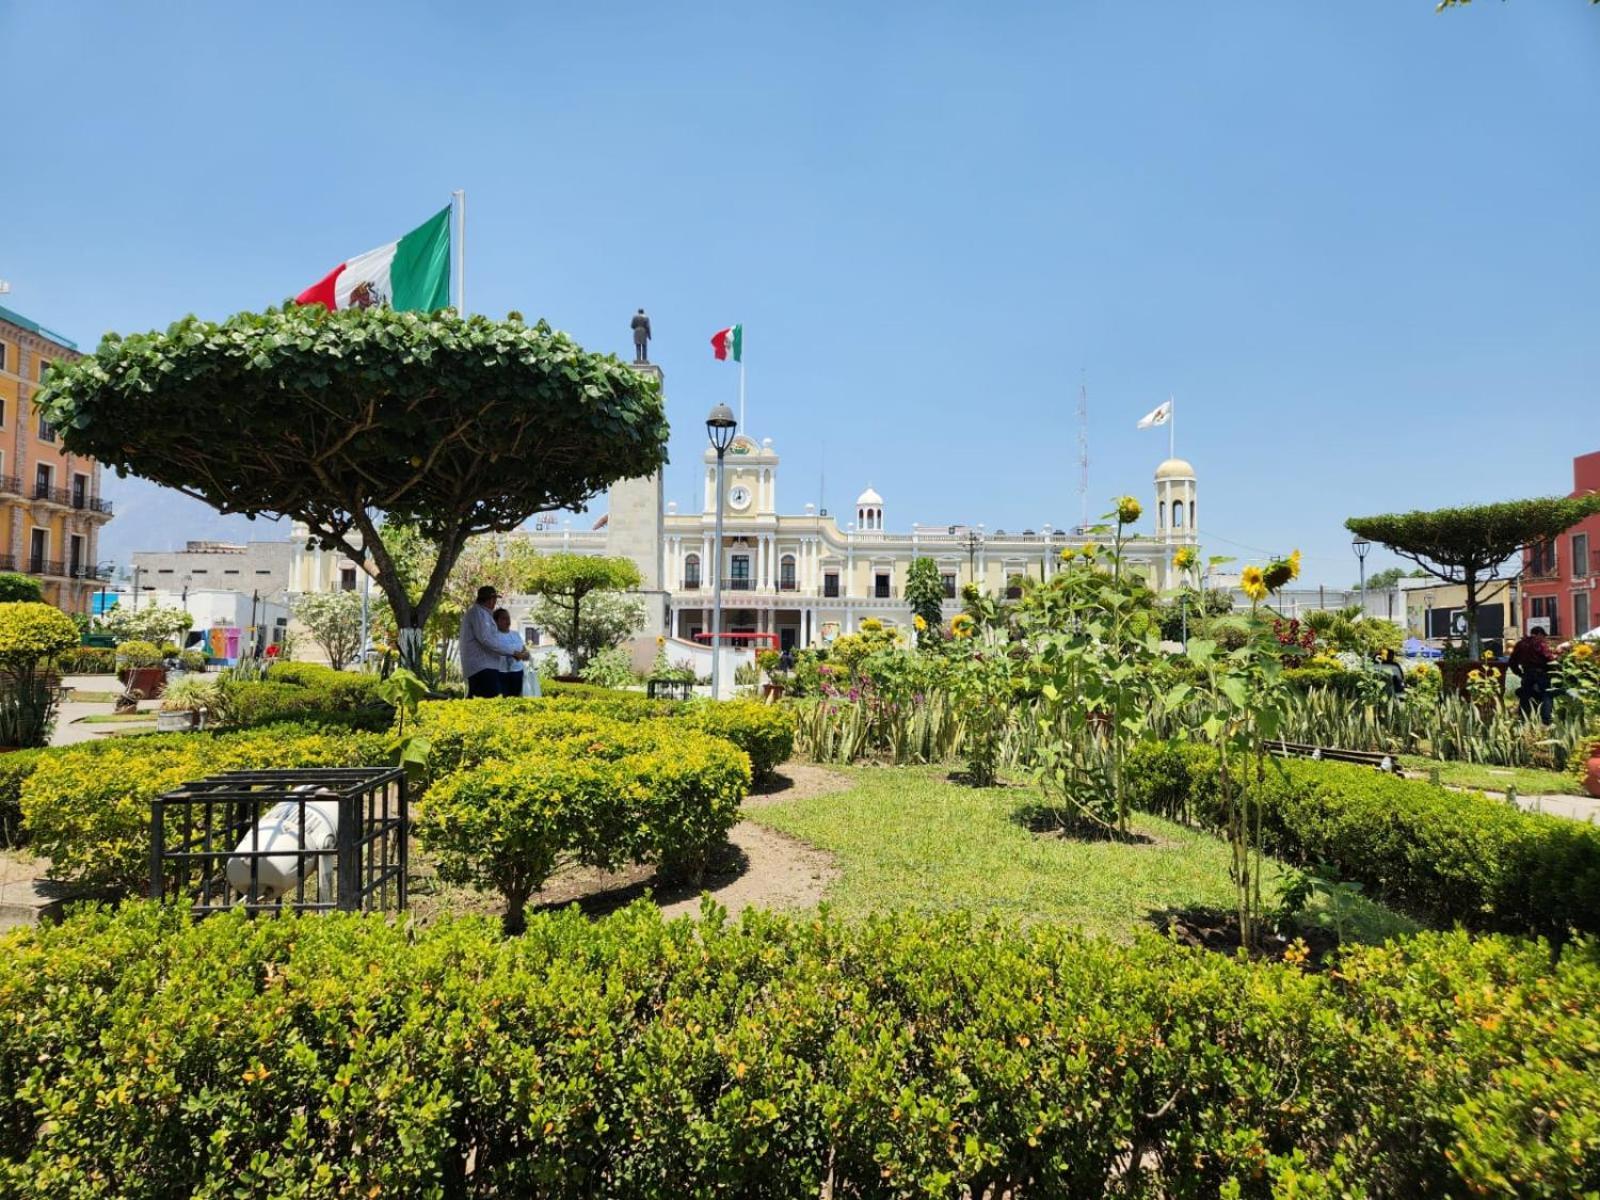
(453,426)
(1470,545)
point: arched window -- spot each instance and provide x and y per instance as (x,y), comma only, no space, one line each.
(1177,514)
(786,582)
(691,572)
(1191,514)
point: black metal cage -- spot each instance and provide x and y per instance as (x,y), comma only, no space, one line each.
(309,840)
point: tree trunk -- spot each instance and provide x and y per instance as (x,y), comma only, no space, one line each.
(1474,644)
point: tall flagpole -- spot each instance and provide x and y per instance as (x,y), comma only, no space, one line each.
(460,197)
(741,389)
(1172,426)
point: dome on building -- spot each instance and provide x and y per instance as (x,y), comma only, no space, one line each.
(869,497)
(1175,468)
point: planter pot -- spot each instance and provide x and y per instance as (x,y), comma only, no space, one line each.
(149,682)
(772,692)
(1591,780)
(176,720)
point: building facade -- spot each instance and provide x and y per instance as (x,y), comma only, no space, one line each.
(51,511)
(1561,577)
(804,580)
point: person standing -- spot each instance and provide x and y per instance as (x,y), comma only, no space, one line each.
(482,647)
(1531,659)
(510,667)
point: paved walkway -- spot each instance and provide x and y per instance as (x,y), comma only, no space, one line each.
(71,730)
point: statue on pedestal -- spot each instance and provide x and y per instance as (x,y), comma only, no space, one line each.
(641,337)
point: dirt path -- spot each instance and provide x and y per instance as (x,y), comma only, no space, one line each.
(763,869)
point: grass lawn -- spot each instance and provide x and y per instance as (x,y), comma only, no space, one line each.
(82,697)
(909,838)
(115,718)
(1528,781)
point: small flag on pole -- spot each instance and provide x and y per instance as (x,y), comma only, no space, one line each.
(1159,417)
(728,343)
(409,275)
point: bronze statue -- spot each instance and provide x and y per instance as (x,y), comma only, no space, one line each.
(641,337)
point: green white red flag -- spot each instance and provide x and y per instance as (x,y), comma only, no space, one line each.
(728,343)
(412,274)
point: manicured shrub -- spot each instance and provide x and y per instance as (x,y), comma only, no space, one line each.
(87,660)
(192,660)
(136,654)
(87,808)
(18,588)
(31,636)
(1335,679)
(518,792)
(14,771)
(1451,856)
(307,692)
(763,731)
(144,1056)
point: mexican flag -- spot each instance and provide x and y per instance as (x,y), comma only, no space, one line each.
(728,343)
(411,274)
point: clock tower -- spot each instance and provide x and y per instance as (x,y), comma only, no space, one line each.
(750,481)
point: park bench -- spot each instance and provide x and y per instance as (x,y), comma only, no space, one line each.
(1364,758)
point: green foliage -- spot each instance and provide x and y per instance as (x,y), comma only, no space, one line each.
(411,415)
(1389,577)
(88,660)
(334,621)
(577,605)
(152,623)
(87,807)
(136,654)
(1468,545)
(609,668)
(925,594)
(1450,855)
(15,587)
(305,692)
(31,632)
(513,798)
(899,1057)
(14,771)
(765,732)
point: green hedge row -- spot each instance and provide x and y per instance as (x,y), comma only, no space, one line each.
(87,807)
(308,692)
(142,1056)
(1452,856)
(1334,679)
(519,788)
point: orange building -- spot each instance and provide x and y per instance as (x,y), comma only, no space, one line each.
(50,506)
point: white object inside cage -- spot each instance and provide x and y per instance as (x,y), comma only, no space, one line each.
(279,835)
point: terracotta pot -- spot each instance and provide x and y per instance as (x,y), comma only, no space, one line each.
(1591,781)
(772,691)
(149,682)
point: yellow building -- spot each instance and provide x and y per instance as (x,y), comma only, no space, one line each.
(50,506)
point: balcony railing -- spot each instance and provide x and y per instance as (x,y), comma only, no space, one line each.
(46,566)
(67,497)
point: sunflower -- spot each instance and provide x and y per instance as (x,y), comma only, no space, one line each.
(961,626)
(1294,565)
(920,622)
(1068,554)
(1254,583)
(1583,650)
(1128,510)
(871,625)
(1185,558)
(1090,549)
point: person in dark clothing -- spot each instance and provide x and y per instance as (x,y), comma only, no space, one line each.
(1531,660)
(1390,666)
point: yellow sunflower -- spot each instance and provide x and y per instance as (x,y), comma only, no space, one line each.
(1583,650)
(1294,565)
(1090,549)
(1185,558)
(961,626)
(920,622)
(1068,554)
(1128,510)
(1254,583)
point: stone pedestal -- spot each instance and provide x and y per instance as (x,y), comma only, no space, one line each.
(636,530)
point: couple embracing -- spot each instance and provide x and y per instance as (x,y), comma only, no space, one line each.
(492,656)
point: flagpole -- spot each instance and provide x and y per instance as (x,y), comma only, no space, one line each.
(741,388)
(1172,426)
(460,197)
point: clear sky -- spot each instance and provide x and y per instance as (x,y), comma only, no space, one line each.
(1358,241)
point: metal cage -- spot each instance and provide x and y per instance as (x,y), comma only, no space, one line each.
(309,840)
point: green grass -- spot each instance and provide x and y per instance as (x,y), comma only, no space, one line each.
(115,718)
(908,838)
(1528,781)
(84,697)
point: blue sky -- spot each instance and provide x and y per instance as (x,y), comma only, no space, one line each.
(1358,241)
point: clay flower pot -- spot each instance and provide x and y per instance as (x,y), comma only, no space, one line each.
(1591,780)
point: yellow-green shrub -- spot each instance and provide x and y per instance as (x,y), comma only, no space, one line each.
(763,731)
(87,808)
(145,1056)
(31,632)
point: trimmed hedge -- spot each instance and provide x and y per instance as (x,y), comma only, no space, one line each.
(1452,856)
(15,768)
(1333,679)
(519,788)
(87,660)
(307,692)
(143,1056)
(87,807)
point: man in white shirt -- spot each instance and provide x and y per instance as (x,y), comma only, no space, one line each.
(482,646)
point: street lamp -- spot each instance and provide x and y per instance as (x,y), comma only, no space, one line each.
(1427,615)
(1360,545)
(720,426)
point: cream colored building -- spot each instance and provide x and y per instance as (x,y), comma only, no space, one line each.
(805,580)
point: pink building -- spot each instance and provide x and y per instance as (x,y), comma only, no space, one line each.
(1561,577)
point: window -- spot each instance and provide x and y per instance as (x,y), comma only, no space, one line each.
(830,583)
(3,349)
(741,573)
(75,554)
(880,585)
(38,550)
(530,635)
(786,580)
(44,366)
(1580,561)
(259,571)
(1543,609)
(80,491)
(47,431)
(1542,559)
(1177,514)
(164,571)
(1014,588)
(230,570)
(199,571)
(949,581)
(1582,618)
(347,579)
(691,573)
(41,482)
(2,414)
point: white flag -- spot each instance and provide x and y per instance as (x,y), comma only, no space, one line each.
(1160,417)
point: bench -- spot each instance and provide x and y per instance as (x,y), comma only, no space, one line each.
(1378,759)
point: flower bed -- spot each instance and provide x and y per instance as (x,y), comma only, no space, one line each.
(145,1056)
(1452,856)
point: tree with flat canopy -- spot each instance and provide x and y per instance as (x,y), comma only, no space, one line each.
(1470,545)
(574,590)
(350,419)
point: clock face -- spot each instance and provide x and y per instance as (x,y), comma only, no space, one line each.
(739,496)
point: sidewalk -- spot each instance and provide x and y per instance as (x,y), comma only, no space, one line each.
(70,730)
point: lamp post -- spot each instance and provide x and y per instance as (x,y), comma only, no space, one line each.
(720,427)
(1427,615)
(1360,545)
(974,540)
